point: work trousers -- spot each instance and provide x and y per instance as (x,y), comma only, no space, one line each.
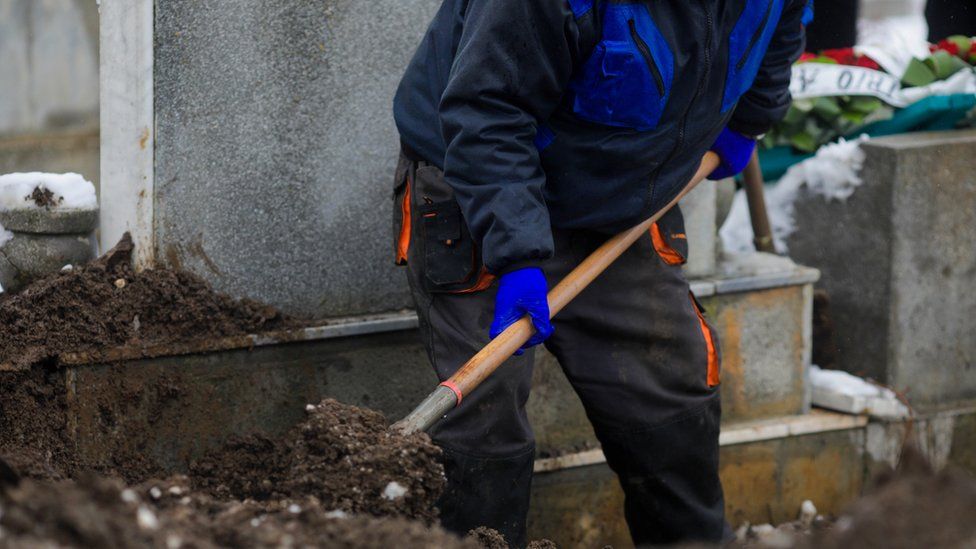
(635,345)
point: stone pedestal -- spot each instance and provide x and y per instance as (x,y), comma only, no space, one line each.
(44,241)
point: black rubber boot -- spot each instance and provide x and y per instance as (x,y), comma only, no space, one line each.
(491,492)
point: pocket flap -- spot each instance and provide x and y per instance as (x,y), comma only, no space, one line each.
(442,221)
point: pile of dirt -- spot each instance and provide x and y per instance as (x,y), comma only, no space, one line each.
(106,304)
(911,507)
(33,436)
(489,538)
(345,457)
(96,512)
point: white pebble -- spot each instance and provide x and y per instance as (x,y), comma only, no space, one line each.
(808,512)
(294,509)
(129,496)
(173,542)
(337,514)
(175,491)
(68,267)
(394,490)
(155,492)
(309,407)
(146,519)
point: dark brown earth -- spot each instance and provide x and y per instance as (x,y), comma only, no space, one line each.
(43,198)
(97,512)
(909,508)
(106,304)
(344,456)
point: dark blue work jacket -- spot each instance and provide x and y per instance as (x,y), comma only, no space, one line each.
(586,113)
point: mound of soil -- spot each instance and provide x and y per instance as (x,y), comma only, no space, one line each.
(344,456)
(106,304)
(96,512)
(912,507)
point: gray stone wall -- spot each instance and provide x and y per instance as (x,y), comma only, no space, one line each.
(275,147)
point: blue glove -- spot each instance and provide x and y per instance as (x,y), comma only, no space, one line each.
(520,293)
(735,150)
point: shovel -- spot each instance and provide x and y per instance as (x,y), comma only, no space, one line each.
(449,394)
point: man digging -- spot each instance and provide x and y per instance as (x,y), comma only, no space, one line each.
(532,130)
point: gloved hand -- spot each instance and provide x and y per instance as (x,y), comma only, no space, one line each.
(523,292)
(735,150)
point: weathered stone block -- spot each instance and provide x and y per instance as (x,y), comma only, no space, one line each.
(899,264)
(275,147)
(764,482)
(760,305)
(28,257)
(52,222)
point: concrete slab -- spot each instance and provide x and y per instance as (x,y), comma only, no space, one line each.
(899,264)
(764,481)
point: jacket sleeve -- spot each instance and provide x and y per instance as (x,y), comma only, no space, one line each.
(768,99)
(513,61)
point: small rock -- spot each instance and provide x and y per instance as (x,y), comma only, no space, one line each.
(294,509)
(175,491)
(337,514)
(67,268)
(155,492)
(129,496)
(120,283)
(394,490)
(808,512)
(146,519)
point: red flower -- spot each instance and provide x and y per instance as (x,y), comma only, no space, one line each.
(844,56)
(948,46)
(867,62)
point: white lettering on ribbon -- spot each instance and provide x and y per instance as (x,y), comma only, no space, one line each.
(824,80)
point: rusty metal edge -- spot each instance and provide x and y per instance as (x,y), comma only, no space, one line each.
(345,327)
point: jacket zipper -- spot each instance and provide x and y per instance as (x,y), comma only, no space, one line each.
(756,36)
(648,58)
(701,82)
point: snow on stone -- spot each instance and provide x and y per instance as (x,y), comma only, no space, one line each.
(841,391)
(394,490)
(833,174)
(71,191)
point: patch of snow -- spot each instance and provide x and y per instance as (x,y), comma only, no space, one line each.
(394,490)
(841,391)
(833,174)
(894,40)
(71,190)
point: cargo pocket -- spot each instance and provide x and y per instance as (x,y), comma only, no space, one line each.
(713,367)
(450,259)
(669,238)
(627,79)
(747,46)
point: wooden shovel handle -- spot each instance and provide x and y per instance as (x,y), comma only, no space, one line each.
(498,350)
(481,365)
